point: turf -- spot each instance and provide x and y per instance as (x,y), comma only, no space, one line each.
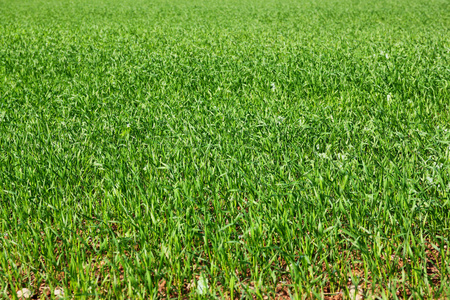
(225,149)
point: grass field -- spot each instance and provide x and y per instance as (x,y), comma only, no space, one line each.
(225,149)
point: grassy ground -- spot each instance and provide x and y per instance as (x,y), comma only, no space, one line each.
(230,149)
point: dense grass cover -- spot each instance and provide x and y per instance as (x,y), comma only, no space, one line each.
(230,149)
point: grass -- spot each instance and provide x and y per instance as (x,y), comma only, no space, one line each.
(225,149)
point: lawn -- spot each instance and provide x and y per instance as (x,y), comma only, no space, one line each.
(232,149)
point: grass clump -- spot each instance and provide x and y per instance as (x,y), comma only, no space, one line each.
(230,149)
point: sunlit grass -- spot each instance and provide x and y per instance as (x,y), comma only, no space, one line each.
(229,149)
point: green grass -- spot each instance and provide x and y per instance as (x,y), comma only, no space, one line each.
(289,147)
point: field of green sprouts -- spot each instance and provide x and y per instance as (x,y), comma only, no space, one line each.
(225,149)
